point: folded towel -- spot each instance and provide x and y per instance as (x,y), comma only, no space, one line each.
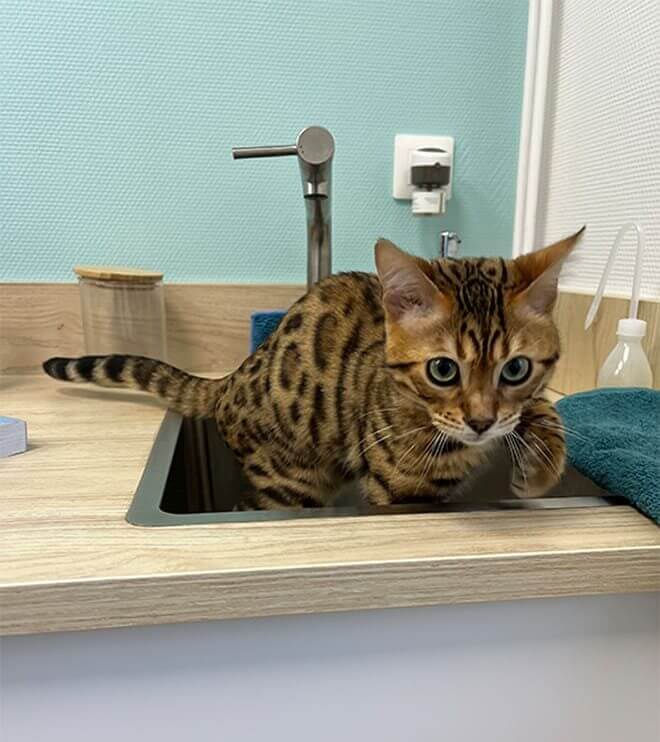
(263,324)
(613,437)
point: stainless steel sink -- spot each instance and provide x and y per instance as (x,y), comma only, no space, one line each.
(192,477)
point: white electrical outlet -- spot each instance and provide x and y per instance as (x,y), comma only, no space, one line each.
(404,146)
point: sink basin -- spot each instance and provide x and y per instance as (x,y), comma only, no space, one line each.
(192,477)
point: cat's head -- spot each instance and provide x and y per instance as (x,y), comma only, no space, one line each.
(471,340)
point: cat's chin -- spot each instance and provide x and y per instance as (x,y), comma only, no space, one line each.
(479,441)
(473,440)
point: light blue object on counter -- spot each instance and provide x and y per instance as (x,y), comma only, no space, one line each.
(262,326)
(13,436)
(613,438)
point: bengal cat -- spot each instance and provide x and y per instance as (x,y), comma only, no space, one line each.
(404,380)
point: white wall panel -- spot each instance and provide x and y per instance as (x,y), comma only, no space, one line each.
(602,137)
(566,670)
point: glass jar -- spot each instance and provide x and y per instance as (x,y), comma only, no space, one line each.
(123,311)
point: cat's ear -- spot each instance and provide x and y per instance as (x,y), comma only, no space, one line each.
(407,291)
(539,272)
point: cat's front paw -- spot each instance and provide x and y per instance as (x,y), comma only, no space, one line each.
(532,484)
(540,451)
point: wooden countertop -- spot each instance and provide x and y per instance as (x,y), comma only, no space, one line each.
(71,561)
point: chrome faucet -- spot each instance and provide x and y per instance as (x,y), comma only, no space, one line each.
(315,148)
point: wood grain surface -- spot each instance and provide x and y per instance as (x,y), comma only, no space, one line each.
(208,326)
(70,560)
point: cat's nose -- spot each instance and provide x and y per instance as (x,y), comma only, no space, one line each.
(480,424)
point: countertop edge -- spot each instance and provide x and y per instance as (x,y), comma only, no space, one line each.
(31,608)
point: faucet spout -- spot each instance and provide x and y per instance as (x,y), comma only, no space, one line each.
(319,249)
(315,149)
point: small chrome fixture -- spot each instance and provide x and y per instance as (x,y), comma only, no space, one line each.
(315,148)
(449,242)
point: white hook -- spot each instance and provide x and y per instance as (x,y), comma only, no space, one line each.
(637,280)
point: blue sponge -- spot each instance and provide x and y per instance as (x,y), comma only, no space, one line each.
(262,326)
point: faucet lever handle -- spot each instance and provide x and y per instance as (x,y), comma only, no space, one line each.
(315,148)
(278,150)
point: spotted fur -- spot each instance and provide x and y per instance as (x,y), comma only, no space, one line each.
(341,389)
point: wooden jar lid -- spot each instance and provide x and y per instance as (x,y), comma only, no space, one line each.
(117,273)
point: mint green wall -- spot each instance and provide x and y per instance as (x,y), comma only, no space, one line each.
(117,118)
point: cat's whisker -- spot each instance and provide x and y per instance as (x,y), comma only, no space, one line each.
(436,445)
(393,437)
(521,460)
(560,432)
(410,432)
(541,442)
(543,429)
(507,443)
(422,456)
(374,443)
(505,438)
(516,456)
(441,445)
(399,463)
(367,437)
(537,453)
(443,424)
(543,450)
(429,458)
(549,424)
(421,476)
(407,433)
(457,428)
(376,411)
(559,428)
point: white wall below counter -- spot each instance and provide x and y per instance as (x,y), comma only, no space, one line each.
(574,669)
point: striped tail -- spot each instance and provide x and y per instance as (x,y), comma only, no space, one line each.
(192,396)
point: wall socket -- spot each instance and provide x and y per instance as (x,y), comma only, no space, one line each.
(404,145)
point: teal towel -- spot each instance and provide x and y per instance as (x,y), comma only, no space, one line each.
(613,437)
(262,326)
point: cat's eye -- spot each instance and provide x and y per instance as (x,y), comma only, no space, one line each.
(516,371)
(442,371)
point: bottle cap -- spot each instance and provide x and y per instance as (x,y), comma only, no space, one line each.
(631,327)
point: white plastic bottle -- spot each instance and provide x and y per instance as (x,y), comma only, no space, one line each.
(627,364)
